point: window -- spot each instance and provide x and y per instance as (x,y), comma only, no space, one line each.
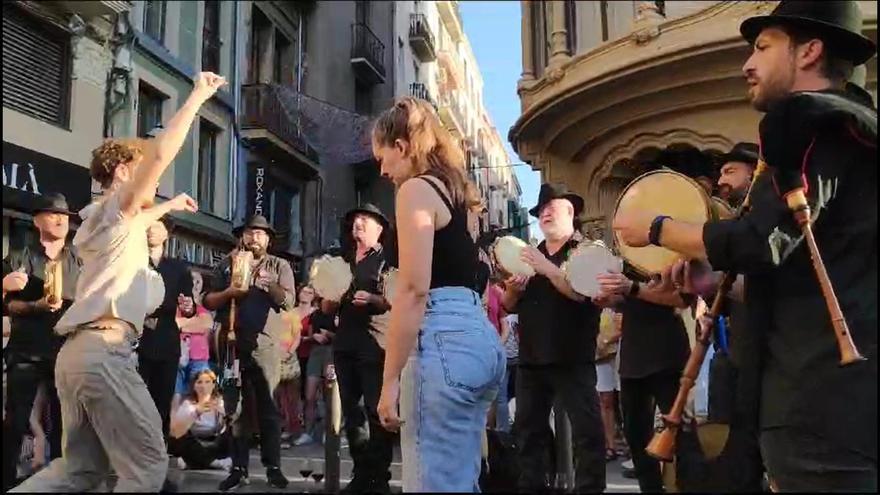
(362,12)
(154,19)
(259,37)
(363,103)
(149,110)
(281,72)
(571,25)
(207,169)
(39,90)
(211,37)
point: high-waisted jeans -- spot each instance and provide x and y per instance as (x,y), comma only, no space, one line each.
(449,382)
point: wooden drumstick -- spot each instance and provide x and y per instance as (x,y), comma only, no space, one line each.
(797,203)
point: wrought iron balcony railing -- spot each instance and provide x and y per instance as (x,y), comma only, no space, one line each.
(367,54)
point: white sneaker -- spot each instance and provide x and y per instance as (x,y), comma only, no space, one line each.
(627,464)
(303,439)
(223,464)
(181,464)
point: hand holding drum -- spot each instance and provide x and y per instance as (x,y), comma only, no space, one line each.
(331,277)
(507,256)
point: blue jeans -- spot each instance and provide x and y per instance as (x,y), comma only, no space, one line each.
(448,383)
(502,403)
(185,375)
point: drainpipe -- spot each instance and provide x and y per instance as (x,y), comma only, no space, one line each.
(238,176)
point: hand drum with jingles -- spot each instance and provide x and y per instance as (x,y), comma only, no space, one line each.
(586,262)
(507,256)
(331,277)
(53,282)
(665,192)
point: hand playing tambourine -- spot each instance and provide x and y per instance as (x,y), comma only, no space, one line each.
(387,408)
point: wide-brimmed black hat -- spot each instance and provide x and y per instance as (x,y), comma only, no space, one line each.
(741,152)
(255,222)
(549,192)
(838,23)
(368,209)
(52,203)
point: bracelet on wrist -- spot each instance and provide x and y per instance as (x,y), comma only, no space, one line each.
(656,228)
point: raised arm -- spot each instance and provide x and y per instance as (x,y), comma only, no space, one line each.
(141,189)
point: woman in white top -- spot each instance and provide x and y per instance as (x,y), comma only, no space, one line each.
(198,434)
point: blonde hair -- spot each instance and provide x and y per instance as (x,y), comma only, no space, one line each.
(113,152)
(432,149)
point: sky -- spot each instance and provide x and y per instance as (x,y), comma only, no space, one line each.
(493,29)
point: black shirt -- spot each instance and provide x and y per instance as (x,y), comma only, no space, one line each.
(653,339)
(360,325)
(252,311)
(553,328)
(161,337)
(33,334)
(803,385)
(455,261)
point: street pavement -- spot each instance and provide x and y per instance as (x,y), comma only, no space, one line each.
(295,458)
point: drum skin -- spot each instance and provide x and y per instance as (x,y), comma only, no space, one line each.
(506,252)
(661,192)
(586,262)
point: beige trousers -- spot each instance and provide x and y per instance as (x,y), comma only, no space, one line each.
(109,419)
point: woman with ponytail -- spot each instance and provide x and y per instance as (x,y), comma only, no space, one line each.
(443,358)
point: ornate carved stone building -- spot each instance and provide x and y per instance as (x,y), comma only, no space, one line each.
(610,90)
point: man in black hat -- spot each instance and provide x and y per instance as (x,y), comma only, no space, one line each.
(818,420)
(737,168)
(558,330)
(33,345)
(271,289)
(359,346)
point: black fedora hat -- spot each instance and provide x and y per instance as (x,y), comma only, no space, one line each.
(838,23)
(741,152)
(255,222)
(52,203)
(551,191)
(368,209)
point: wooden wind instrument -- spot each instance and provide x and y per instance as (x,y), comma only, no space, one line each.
(797,203)
(662,445)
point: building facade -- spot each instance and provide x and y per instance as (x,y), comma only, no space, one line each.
(56,62)
(610,90)
(164,46)
(438,65)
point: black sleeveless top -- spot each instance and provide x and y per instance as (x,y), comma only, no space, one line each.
(456,259)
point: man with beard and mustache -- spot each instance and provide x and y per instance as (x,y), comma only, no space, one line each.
(33,345)
(271,289)
(558,330)
(818,420)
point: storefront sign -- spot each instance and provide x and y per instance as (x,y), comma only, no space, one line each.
(259,194)
(28,174)
(195,251)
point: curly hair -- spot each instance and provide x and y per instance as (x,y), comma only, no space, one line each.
(110,154)
(432,149)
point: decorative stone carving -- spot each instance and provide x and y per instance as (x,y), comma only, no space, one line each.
(553,76)
(647,23)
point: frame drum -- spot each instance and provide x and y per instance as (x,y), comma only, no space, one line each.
(587,261)
(506,252)
(331,277)
(663,192)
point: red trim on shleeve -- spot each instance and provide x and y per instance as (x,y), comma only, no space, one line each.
(860,139)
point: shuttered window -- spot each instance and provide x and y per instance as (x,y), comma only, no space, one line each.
(36,67)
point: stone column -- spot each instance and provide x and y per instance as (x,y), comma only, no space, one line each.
(528,42)
(559,36)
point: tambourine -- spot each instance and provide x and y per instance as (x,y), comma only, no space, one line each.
(506,255)
(331,277)
(389,284)
(586,262)
(664,192)
(52,282)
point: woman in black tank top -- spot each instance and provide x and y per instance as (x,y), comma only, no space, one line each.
(443,359)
